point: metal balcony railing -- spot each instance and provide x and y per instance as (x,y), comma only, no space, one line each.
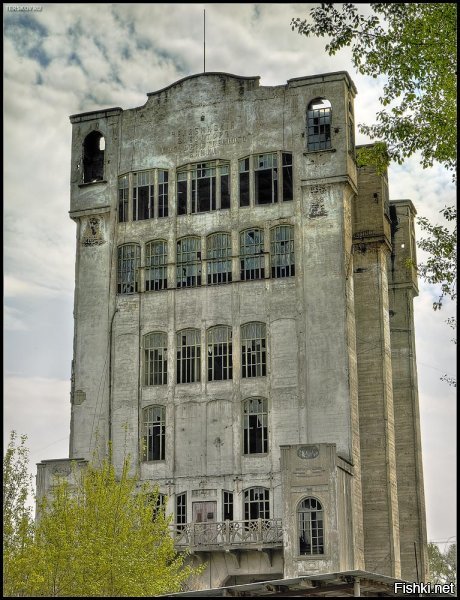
(228,535)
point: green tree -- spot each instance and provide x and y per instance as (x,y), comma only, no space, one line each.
(414,46)
(17,515)
(101,535)
(443,566)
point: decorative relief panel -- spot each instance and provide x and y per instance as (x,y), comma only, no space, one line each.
(93,234)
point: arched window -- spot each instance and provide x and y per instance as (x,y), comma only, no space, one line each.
(188,356)
(319,124)
(256,503)
(255,426)
(218,256)
(311,527)
(219,353)
(189,262)
(93,157)
(253,350)
(282,251)
(154,433)
(252,260)
(155,266)
(129,259)
(155,359)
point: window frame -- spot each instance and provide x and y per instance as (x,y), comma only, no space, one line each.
(248,503)
(320,543)
(256,257)
(226,355)
(181,511)
(188,363)
(160,266)
(219,266)
(259,366)
(191,182)
(123,198)
(148,421)
(192,266)
(148,181)
(255,439)
(228,505)
(121,281)
(280,271)
(318,118)
(155,369)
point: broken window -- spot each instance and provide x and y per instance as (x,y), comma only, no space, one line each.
(255,426)
(182,193)
(188,356)
(256,503)
(159,505)
(219,353)
(227,506)
(162,193)
(203,188)
(288,190)
(188,262)
(319,124)
(266,178)
(93,157)
(224,186)
(252,259)
(123,196)
(311,528)
(181,510)
(282,251)
(219,258)
(156,266)
(154,433)
(143,196)
(253,350)
(244,181)
(129,259)
(155,359)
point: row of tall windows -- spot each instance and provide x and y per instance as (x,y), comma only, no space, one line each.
(218,257)
(255,429)
(256,505)
(219,354)
(149,195)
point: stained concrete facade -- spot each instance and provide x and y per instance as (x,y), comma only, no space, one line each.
(340,425)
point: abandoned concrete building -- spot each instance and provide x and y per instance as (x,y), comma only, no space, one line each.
(244,327)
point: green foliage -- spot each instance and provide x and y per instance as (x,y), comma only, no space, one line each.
(443,566)
(99,535)
(17,516)
(414,46)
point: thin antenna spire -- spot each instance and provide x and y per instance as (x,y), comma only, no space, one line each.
(204,41)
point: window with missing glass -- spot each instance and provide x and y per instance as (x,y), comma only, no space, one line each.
(288,186)
(188,347)
(219,258)
(244,190)
(155,358)
(252,258)
(143,194)
(227,506)
(188,264)
(310,517)
(129,259)
(163,193)
(282,251)
(181,510)
(203,187)
(219,340)
(266,178)
(156,270)
(253,350)
(123,198)
(154,433)
(256,503)
(255,426)
(319,115)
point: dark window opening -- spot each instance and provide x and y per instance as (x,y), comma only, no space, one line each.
(220,354)
(311,527)
(181,510)
(203,188)
(253,350)
(154,433)
(163,193)
(266,179)
(319,125)
(155,359)
(288,193)
(224,188)
(143,196)
(93,157)
(282,251)
(218,256)
(255,426)
(256,504)
(252,259)
(244,182)
(227,506)
(188,356)
(182,193)
(128,268)
(188,262)
(156,266)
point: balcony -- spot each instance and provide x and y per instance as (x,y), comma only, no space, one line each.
(259,534)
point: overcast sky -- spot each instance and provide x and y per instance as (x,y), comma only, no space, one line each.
(63,59)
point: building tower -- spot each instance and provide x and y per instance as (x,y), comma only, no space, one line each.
(236,273)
